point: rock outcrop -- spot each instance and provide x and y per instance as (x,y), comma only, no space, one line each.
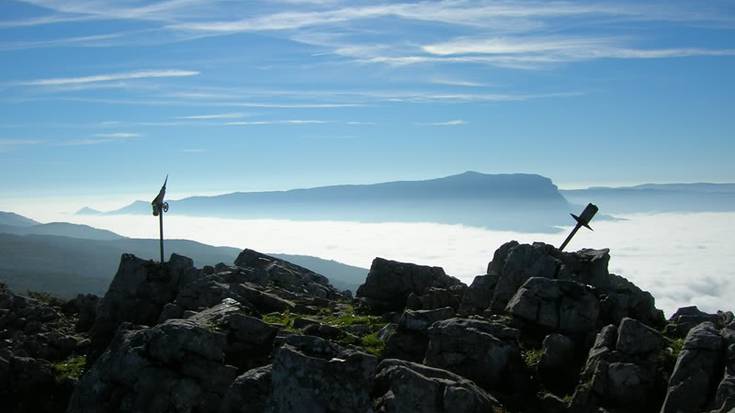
(310,374)
(403,386)
(389,284)
(484,352)
(41,353)
(557,305)
(698,370)
(543,330)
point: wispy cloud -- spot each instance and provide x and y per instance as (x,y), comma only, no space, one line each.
(278,122)
(457,82)
(143,74)
(455,122)
(8,144)
(101,138)
(118,135)
(213,116)
(535,51)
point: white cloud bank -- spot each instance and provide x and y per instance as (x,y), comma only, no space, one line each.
(682,259)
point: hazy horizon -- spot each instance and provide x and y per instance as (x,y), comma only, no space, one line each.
(679,257)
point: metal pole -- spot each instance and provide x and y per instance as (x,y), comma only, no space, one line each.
(160,227)
(569,238)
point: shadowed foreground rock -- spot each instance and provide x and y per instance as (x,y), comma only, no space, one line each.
(312,375)
(542,331)
(402,386)
(389,284)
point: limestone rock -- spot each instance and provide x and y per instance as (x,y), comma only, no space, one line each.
(518,263)
(558,368)
(410,340)
(436,298)
(249,393)
(402,386)
(635,338)
(310,374)
(487,353)
(174,366)
(697,372)
(559,305)
(138,293)
(477,296)
(622,370)
(286,275)
(686,318)
(249,341)
(389,283)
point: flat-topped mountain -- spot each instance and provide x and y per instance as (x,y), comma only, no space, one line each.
(523,202)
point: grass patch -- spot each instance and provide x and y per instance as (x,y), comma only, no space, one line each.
(373,345)
(71,368)
(285,319)
(676,346)
(532,357)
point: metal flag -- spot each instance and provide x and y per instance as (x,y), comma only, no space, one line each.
(583,220)
(159,207)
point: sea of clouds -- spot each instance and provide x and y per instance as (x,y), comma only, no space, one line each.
(682,259)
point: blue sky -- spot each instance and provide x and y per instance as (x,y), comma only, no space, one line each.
(108,97)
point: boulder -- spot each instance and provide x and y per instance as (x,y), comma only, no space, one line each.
(286,275)
(24,379)
(262,300)
(622,370)
(636,338)
(436,298)
(725,395)
(310,374)
(389,283)
(484,352)
(138,293)
(477,296)
(558,367)
(85,307)
(410,340)
(516,264)
(697,372)
(686,318)
(621,298)
(249,393)
(558,305)
(249,340)
(402,386)
(174,366)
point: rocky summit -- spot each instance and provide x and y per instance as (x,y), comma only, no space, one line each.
(541,331)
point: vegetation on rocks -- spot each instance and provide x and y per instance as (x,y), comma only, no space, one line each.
(71,368)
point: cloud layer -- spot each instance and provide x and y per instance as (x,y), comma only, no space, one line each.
(683,259)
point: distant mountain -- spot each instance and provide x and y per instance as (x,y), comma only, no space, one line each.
(63,229)
(699,197)
(67,259)
(88,211)
(522,202)
(13,219)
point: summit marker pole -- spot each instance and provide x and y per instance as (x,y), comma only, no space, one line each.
(583,220)
(159,207)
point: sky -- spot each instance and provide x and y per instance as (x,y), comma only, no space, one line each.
(104,98)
